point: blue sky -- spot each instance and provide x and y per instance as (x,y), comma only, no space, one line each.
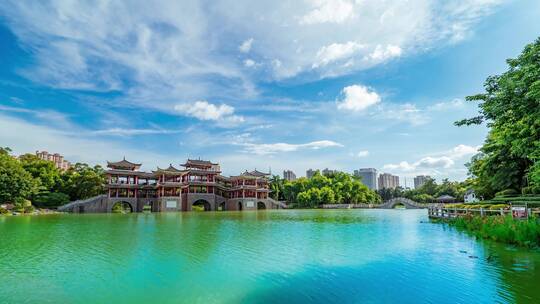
(294,85)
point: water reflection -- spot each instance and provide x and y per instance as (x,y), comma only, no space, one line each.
(303,256)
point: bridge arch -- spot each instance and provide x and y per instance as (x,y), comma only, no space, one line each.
(261,205)
(122,207)
(407,203)
(202,205)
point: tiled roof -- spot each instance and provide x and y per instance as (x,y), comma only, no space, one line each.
(169,169)
(123,164)
(257,173)
(199,162)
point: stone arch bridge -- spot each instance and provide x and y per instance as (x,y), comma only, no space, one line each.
(408,203)
(209,202)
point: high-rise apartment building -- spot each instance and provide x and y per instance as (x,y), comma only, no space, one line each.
(369,177)
(420,180)
(327,171)
(388,181)
(310,173)
(56,158)
(289,175)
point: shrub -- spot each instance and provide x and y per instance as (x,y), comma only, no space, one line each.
(530,190)
(3,211)
(506,193)
(498,206)
(48,199)
(501,229)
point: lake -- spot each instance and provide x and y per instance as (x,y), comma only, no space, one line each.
(294,256)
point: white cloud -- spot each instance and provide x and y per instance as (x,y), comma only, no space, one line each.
(335,52)
(363,153)
(329,11)
(131,132)
(245,47)
(449,105)
(460,151)
(75,147)
(262,149)
(383,53)
(424,163)
(249,63)
(436,161)
(358,98)
(407,112)
(203,110)
(168,50)
(48,116)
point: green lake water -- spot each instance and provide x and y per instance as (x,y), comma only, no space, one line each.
(289,256)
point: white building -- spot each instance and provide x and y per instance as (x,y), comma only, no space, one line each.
(388,181)
(470,197)
(369,177)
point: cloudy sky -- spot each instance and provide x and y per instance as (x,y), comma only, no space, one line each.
(255,84)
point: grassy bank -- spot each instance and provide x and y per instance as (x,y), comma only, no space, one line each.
(501,229)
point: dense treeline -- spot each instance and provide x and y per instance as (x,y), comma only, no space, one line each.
(28,180)
(335,188)
(509,160)
(429,191)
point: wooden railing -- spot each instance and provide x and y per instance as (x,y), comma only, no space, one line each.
(439,212)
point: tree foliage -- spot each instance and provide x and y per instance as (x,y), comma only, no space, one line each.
(45,172)
(335,188)
(29,180)
(16,184)
(82,181)
(277,185)
(510,105)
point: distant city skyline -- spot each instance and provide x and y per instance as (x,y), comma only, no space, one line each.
(62,164)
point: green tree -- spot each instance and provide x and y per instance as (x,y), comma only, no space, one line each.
(423,198)
(327,195)
(303,199)
(42,170)
(337,187)
(510,106)
(5,150)
(82,181)
(277,185)
(429,187)
(50,200)
(16,184)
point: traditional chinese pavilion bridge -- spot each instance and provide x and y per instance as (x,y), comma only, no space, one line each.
(199,183)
